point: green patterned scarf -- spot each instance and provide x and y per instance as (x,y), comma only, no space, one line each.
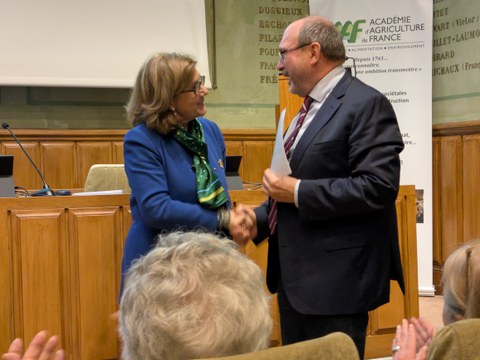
(210,191)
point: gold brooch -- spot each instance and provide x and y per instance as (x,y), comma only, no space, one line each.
(220,163)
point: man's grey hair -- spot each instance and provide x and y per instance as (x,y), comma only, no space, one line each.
(319,29)
(194,295)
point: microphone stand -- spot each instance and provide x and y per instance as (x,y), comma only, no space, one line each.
(46,190)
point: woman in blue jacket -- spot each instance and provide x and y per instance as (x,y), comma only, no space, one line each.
(174,158)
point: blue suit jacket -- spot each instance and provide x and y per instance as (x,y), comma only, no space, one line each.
(161,175)
(338,251)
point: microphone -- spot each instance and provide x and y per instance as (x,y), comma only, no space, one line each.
(46,189)
(354,66)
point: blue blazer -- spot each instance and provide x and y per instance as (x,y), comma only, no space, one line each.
(162,179)
(337,252)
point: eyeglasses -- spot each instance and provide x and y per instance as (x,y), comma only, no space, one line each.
(282,53)
(196,87)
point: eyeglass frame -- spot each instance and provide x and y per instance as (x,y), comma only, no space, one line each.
(281,53)
(196,87)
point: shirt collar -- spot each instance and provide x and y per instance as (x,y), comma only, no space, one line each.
(325,86)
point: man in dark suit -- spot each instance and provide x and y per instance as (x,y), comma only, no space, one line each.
(331,224)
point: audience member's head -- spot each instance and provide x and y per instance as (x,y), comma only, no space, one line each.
(161,78)
(461,283)
(192,296)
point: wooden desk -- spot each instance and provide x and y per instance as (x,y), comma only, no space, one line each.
(60,261)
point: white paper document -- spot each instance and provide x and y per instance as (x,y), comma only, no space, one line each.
(101,192)
(280,163)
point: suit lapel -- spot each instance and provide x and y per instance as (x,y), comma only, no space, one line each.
(322,117)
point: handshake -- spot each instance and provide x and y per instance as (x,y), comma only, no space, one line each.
(242,224)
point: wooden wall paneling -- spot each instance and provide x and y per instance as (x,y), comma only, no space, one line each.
(50,149)
(24,174)
(40,274)
(447,201)
(471,193)
(59,160)
(258,156)
(126,223)
(117,152)
(437,213)
(452,194)
(95,278)
(6,292)
(90,153)
(289,101)
(456,193)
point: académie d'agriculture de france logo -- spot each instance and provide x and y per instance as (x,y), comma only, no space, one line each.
(349,30)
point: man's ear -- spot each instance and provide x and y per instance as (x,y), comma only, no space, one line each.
(315,52)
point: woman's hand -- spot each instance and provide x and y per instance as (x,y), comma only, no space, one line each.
(425,331)
(40,348)
(405,343)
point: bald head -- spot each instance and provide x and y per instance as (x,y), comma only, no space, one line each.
(320,29)
(310,48)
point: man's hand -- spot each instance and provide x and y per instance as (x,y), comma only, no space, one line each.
(280,188)
(243,224)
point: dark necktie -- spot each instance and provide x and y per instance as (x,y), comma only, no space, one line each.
(272,215)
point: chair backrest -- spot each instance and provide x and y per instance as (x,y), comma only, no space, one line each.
(458,341)
(335,346)
(103,177)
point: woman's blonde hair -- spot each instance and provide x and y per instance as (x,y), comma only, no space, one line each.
(461,281)
(160,79)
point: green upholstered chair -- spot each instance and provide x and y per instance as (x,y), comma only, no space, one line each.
(103,177)
(459,340)
(335,346)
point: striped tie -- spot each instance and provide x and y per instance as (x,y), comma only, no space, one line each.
(272,215)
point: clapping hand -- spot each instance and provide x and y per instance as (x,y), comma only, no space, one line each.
(424,330)
(405,344)
(40,348)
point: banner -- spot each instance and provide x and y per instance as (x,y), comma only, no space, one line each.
(390,44)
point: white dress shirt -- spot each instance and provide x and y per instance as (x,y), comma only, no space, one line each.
(319,93)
